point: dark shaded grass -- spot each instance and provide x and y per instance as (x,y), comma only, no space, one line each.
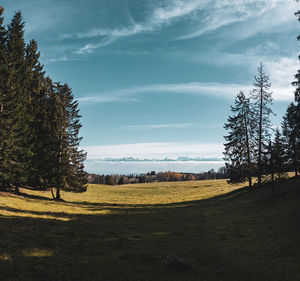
(242,235)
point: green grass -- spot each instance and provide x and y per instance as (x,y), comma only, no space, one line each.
(133,232)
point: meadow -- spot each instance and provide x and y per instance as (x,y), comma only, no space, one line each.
(198,230)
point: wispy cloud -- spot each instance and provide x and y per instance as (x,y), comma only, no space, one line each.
(263,16)
(161,126)
(106,99)
(159,17)
(132,94)
(89,48)
(159,150)
(282,91)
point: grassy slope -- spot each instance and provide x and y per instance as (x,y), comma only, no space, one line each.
(128,232)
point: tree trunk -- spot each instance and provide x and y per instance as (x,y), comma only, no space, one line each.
(260,140)
(52,193)
(248,151)
(17,189)
(250,181)
(57,193)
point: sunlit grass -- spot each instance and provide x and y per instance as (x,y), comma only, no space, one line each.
(127,195)
(132,232)
(37,253)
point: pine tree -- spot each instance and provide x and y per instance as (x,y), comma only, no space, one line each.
(296,83)
(268,161)
(279,156)
(36,115)
(17,153)
(263,99)
(3,110)
(238,154)
(291,135)
(296,115)
(67,160)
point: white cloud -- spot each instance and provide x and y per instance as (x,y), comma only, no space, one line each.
(114,33)
(162,126)
(105,99)
(253,16)
(262,15)
(281,76)
(159,17)
(157,150)
(89,48)
(227,91)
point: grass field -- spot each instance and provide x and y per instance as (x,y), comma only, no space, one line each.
(149,231)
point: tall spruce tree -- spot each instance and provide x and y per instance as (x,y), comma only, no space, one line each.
(36,115)
(16,90)
(291,136)
(296,83)
(3,110)
(262,110)
(68,159)
(296,115)
(279,156)
(238,154)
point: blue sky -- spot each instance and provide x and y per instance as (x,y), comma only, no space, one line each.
(155,79)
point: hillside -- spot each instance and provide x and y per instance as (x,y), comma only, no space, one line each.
(205,230)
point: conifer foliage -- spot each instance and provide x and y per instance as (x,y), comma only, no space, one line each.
(246,150)
(291,136)
(262,100)
(238,154)
(39,120)
(269,159)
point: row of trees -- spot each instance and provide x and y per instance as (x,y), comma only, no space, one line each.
(39,120)
(157,177)
(250,150)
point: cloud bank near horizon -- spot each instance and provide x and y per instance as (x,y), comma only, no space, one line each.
(161,150)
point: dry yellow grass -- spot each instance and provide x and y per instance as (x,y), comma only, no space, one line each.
(137,194)
(133,232)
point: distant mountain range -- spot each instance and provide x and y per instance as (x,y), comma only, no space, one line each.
(178,159)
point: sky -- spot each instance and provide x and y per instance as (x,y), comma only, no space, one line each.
(155,79)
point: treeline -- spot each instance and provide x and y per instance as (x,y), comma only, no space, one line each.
(156,177)
(253,147)
(39,120)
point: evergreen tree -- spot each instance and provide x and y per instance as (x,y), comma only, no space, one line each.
(16,104)
(262,101)
(296,83)
(279,156)
(3,109)
(121,181)
(109,180)
(268,161)
(294,140)
(36,115)
(238,154)
(291,135)
(67,159)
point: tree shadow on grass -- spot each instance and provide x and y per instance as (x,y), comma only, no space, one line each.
(220,239)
